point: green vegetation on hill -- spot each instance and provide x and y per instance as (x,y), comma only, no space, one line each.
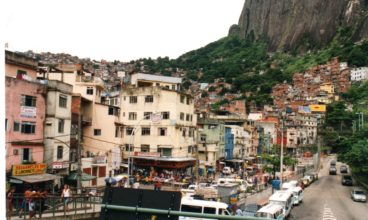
(351,144)
(246,64)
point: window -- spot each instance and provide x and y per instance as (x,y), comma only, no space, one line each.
(162,131)
(182,98)
(89,90)
(59,153)
(29,101)
(190,208)
(209,210)
(147,115)
(132,116)
(191,117)
(117,131)
(6,124)
(187,117)
(165,115)
(203,137)
(149,98)
(129,130)
(191,132)
(184,132)
(146,131)
(113,111)
(21,73)
(145,148)
(188,101)
(97,132)
(63,101)
(27,153)
(189,149)
(28,127)
(173,87)
(129,147)
(167,152)
(61,126)
(182,116)
(133,99)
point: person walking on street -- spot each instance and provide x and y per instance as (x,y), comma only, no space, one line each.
(24,206)
(10,202)
(65,195)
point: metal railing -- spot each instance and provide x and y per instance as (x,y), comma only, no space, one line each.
(169,212)
(54,205)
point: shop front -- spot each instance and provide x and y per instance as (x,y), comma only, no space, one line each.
(32,175)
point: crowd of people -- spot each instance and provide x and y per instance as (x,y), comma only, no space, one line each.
(33,201)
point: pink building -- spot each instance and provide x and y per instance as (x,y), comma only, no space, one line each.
(25,115)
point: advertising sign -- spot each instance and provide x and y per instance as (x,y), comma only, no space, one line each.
(147,154)
(60,164)
(318,108)
(28,112)
(29,169)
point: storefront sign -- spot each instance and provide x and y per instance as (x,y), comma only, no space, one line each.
(147,154)
(29,169)
(60,164)
(99,159)
(28,112)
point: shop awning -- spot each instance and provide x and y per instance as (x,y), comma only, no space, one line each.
(85,177)
(37,178)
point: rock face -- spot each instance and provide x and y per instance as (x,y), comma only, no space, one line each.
(288,22)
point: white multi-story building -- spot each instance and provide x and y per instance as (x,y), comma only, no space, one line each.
(359,74)
(159,122)
(57,127)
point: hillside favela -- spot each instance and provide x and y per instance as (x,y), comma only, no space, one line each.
(268,122)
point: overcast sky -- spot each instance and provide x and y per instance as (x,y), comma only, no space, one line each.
(117,29)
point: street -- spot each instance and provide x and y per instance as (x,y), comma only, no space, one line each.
(328,199)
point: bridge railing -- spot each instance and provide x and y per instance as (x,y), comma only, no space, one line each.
(54,205)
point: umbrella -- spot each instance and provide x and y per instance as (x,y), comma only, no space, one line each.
(85,177)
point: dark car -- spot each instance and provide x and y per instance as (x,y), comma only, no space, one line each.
(332,171)
(333,163)
(343,169)
(347,180)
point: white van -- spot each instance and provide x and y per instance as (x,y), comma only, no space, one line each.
(242,183)
(201,206)
(297,194)
(290,184)
(271,211)
(283,198)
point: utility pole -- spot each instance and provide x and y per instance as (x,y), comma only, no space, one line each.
(79,155)
(282,150)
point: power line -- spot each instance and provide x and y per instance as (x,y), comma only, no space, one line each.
(38,139)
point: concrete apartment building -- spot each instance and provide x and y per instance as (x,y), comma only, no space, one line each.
(211,141)
(359,74)
(100,127)
(58,126)
(24,121)
(159,122)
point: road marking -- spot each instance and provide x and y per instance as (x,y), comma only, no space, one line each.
(328,214)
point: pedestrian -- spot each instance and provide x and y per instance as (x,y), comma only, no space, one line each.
(10,201)
(32,205)
(158,186)
(25,201)
(65,195)
(42,199)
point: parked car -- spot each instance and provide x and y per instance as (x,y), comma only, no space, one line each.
(314,175)
(333,163)
(343,169)
(358,195)
(332,170)
(347,180)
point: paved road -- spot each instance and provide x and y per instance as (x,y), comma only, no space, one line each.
(328,199)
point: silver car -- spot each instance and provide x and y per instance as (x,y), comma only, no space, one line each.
(358,195)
